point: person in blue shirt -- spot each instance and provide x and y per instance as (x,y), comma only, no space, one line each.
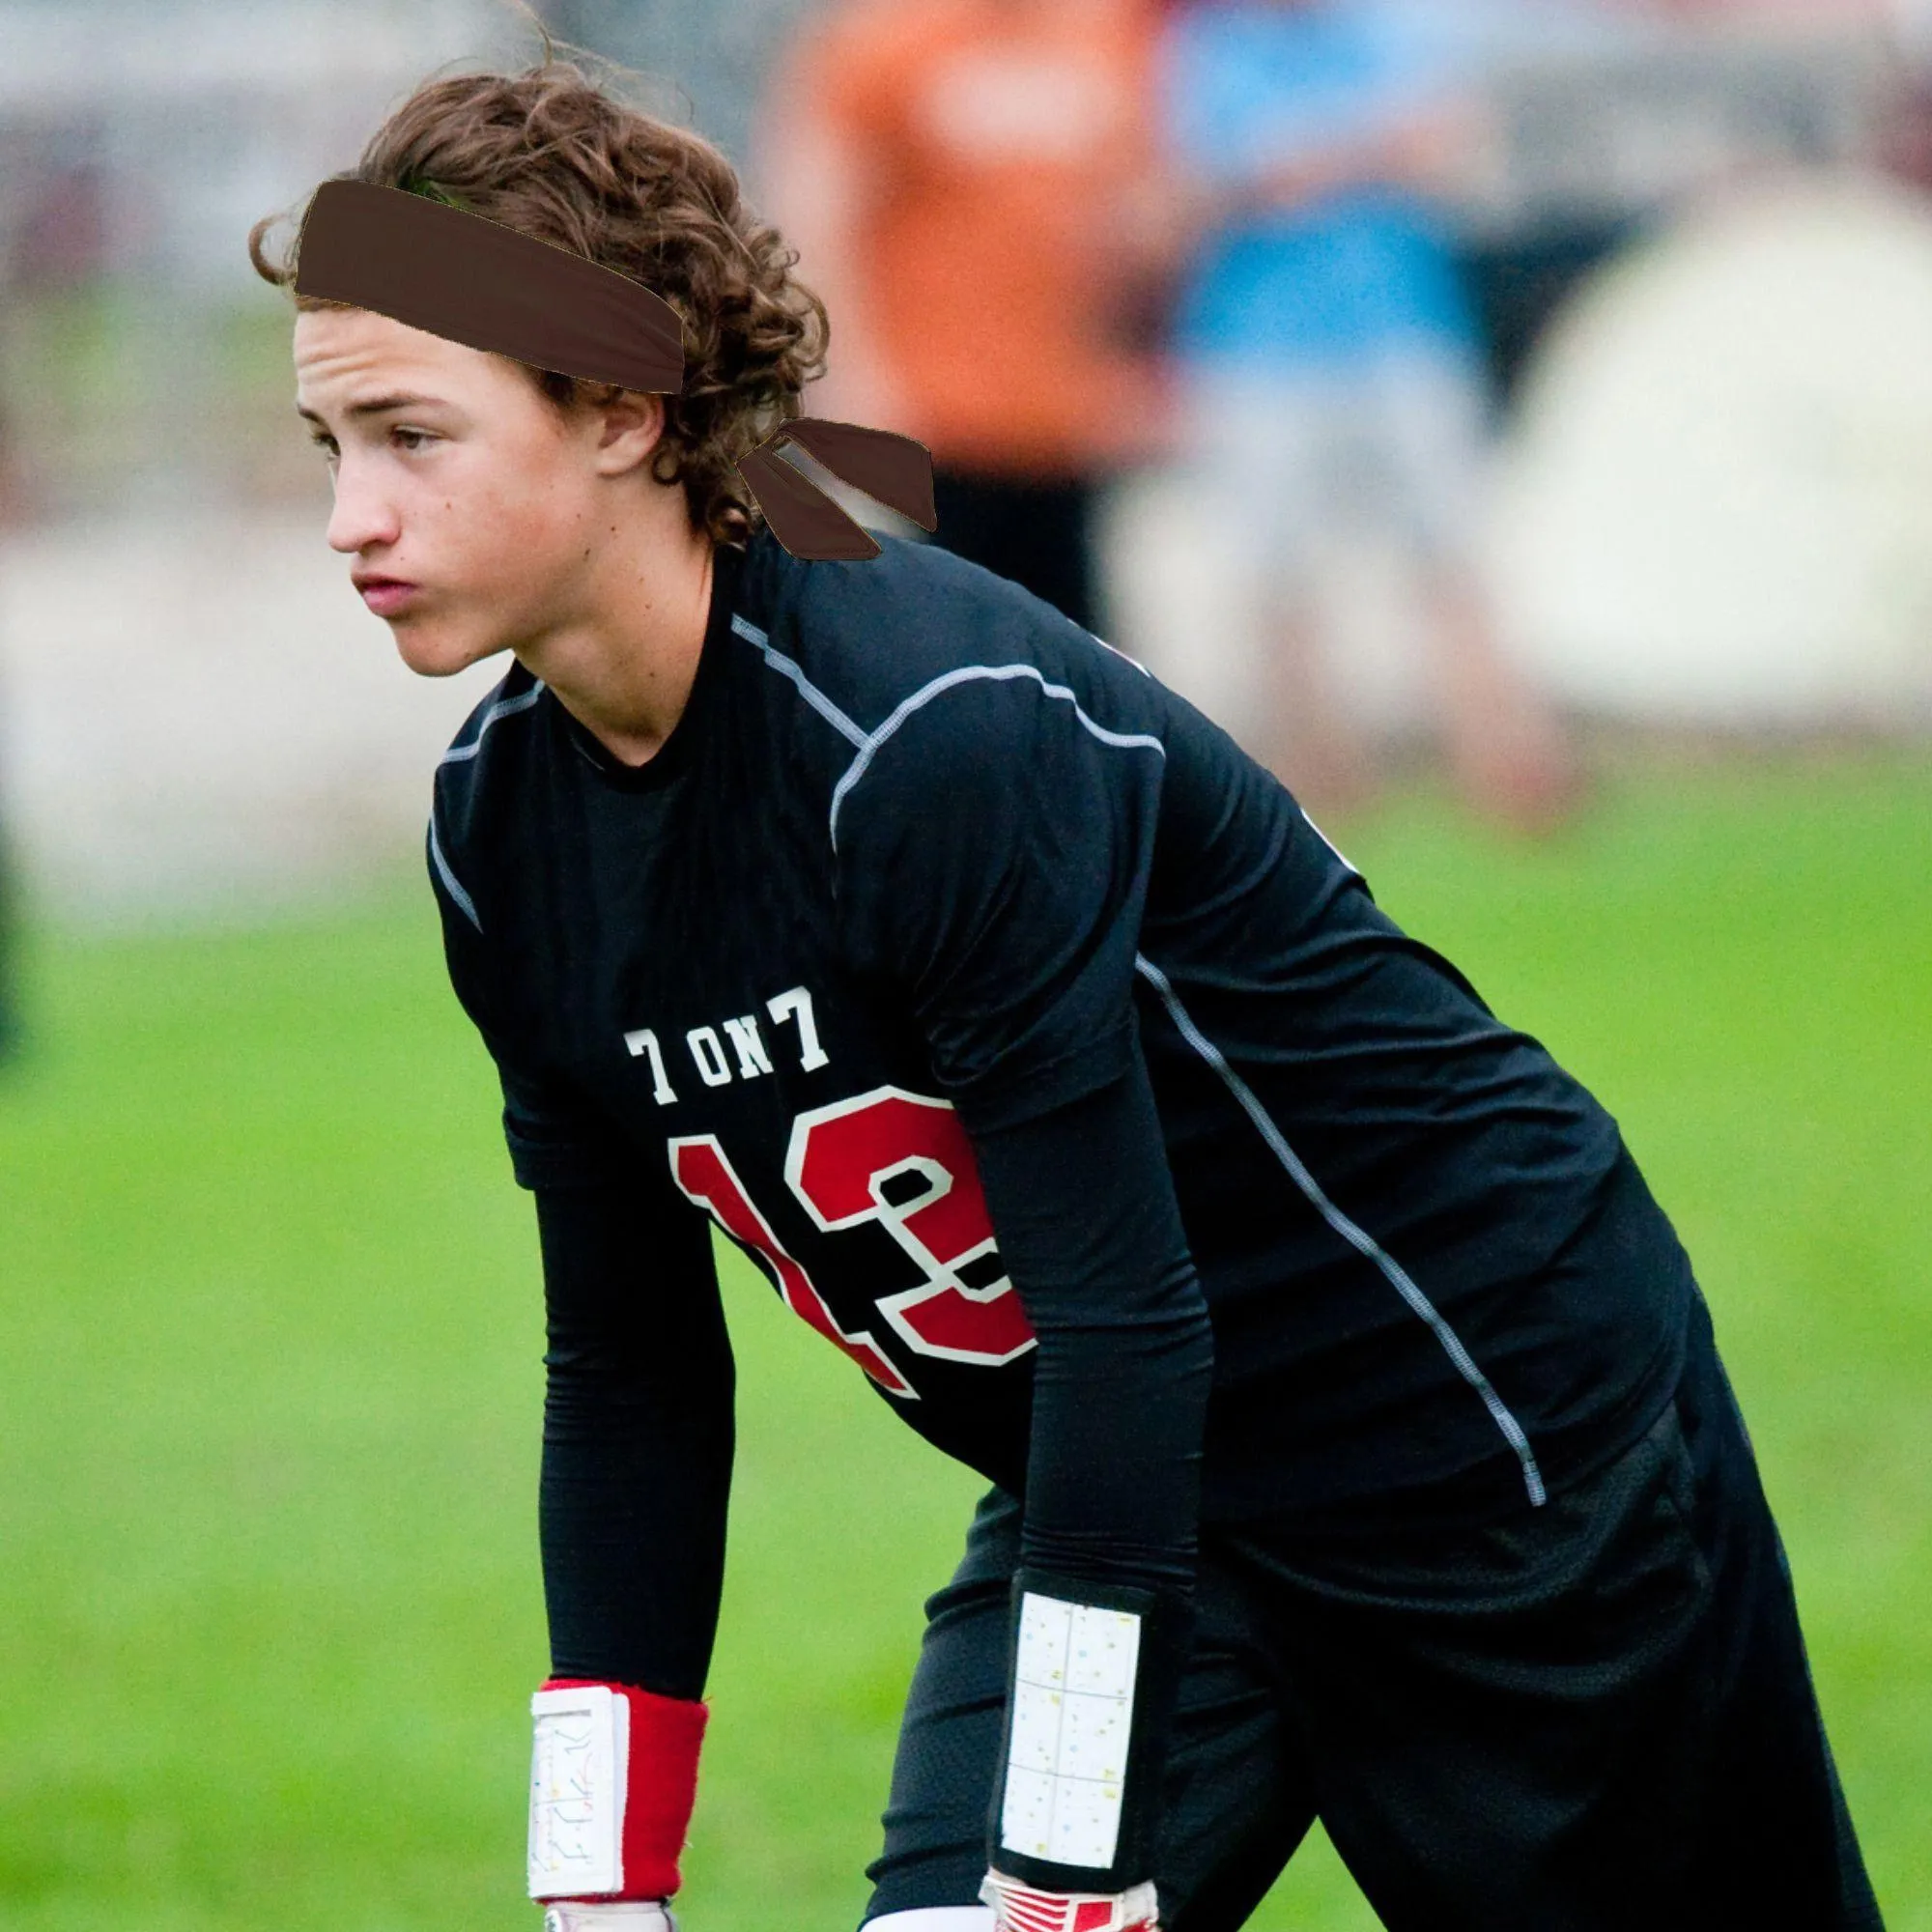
(1330,374)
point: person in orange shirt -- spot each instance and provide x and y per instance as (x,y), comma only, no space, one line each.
(961,179)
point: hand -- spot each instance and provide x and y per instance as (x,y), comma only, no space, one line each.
(1018,1907)
(1432,151)
(1156,219)
(614,1915)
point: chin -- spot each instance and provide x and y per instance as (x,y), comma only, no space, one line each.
(429,655)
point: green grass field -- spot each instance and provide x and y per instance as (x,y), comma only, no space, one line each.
(272,1330)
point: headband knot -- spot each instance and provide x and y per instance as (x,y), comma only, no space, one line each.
(445,270)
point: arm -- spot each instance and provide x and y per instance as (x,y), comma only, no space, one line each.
(1427,149)
(632,1502)
(1242,160)
(637,1442)
(1083,1204)
(636,1472)
(994,860)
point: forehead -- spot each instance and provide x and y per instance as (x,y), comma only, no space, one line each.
(344,353)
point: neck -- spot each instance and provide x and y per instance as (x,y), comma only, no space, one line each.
(625,669)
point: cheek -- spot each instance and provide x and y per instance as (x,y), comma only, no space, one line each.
(521,533)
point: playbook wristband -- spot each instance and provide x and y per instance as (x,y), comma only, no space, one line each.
(1091,1688)
(613,1780)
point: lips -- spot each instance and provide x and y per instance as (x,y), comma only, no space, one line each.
(386,594)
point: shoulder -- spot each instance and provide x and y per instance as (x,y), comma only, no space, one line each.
(485,753)
(961,694)
(921,629)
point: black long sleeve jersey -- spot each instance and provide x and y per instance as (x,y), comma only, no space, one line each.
(1052,1064)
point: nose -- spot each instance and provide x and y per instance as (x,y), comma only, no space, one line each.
(359,516)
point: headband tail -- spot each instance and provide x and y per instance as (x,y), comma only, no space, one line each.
(801,514)
(893,468)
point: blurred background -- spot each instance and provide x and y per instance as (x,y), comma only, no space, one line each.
(1510,418)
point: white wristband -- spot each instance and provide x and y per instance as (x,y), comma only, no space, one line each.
(579,1775)
(1073,1719)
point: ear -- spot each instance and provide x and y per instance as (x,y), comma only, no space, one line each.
(630,427)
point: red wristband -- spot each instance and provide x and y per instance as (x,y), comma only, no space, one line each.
(659,1779)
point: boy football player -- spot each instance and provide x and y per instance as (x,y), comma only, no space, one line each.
(1356,1441)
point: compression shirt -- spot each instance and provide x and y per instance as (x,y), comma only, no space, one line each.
(1053,1065)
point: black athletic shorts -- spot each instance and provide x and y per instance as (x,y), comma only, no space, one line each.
(1597,1715)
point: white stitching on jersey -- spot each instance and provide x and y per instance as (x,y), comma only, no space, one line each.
(810,692)
(1356,1238)
(503,710)
(450,878)
(507,708)
(967,673)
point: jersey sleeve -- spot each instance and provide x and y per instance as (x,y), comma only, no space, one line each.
(637,1440)
(1083,1207)
(995,879)
(992,860)
(638,1432)
(555,1138)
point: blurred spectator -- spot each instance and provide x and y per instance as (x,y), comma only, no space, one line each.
(14,510)
(952,173)
(1906,147)
(1685,97)
(1520,280)
(62,235)
(57,245)
(1906,133)
(1331,374)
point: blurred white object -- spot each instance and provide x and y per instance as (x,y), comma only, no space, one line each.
(1180,595)
(1716,503)
(200,715)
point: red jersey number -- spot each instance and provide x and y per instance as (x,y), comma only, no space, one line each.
(902,1160)
(699,1167)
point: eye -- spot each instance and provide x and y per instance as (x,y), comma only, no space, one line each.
(328,443)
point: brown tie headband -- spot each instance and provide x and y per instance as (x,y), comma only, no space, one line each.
(463,276)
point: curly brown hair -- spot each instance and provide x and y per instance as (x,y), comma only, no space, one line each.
(553,154)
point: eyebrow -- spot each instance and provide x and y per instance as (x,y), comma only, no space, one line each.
(375,406)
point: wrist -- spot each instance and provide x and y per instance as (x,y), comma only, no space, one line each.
(613,1780)
(1076,1809)
(1019,1906)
